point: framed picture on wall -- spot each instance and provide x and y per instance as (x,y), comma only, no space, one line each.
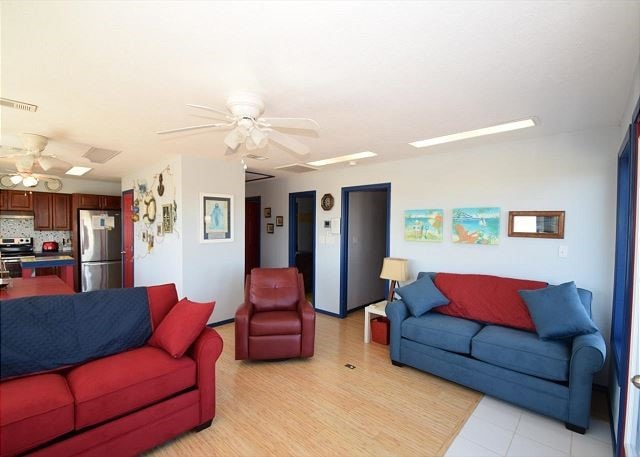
(216,218)
(279,221)
(267,213)
(269,227)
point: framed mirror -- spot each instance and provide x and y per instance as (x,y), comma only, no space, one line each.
(536,224)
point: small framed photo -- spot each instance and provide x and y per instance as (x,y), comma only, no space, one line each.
(216,218)
(159,230)
(269,227)
(267,213)
(167,218)
(279,221)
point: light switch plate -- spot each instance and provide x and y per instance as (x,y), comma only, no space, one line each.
(563,251)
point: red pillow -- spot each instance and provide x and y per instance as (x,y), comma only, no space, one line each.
(181,326)
(485,298)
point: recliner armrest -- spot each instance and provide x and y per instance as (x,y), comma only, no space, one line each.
(308,318)
(397,312)
(242,318)
(205,351)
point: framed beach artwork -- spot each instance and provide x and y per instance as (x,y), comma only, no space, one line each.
(423,225)
(475,225)
(216,218)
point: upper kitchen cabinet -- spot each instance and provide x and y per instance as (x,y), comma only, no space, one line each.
(51,211)
(90,201)
(16,200)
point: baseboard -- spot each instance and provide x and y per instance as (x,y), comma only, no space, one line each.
(217,324)
(329,313)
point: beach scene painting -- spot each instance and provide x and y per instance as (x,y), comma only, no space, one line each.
(476,225)
(423,224)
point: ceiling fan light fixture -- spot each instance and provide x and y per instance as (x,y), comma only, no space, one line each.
(16,179)
(259,138)
(30,181)
(233,139)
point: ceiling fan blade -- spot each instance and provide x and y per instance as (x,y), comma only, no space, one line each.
(48,162)
(7,151)
(195,127)
(288,142)
(290,123)
(229,151)
(224,114)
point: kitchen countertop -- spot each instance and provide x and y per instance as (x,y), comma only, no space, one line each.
(49,261)
(52,254)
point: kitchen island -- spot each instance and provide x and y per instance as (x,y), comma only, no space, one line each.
(29,287)
(64,262)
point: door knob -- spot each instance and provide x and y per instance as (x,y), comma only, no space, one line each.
(636,381)
(123,252)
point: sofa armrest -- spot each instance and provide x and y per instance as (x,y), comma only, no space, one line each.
(242,318)
(308,317)
(396,312)
(205,351)
(587,358)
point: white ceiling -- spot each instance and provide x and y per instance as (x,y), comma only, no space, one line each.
(375,75)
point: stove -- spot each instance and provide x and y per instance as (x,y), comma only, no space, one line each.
(11,249)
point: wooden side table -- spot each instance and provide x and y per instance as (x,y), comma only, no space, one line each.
(376,309)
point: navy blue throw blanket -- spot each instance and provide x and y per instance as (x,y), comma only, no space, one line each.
(44,333)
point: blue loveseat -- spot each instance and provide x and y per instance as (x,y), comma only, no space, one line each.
(550,377)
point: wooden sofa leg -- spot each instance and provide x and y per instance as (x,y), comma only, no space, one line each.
(201,427)
(575,428)
(397,364)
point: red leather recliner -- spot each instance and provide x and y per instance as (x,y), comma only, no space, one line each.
(275,321)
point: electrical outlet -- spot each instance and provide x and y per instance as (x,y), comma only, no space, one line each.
(563,251)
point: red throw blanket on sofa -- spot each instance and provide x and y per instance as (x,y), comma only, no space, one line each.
(485,298)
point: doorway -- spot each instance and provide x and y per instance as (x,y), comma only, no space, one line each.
(127,239)
(251,234)
(364,245)
(302,238)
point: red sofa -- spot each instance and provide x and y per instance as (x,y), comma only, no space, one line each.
(118,405)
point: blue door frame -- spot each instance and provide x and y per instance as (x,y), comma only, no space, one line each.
(293,230)
(344,228)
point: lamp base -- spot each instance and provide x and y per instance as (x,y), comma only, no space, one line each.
(392,286)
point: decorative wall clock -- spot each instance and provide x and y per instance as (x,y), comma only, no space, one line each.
(327,202)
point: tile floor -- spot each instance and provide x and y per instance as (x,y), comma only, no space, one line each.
(498,429)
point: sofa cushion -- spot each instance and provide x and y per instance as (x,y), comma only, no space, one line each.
(275,323)
(444,332)
(522,351)
(161,300)
(33,410)
(180,328)
(115,385)
(485,298)
(557,311)
(274,289)
(421,296)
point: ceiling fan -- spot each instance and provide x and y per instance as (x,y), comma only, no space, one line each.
(31,154)
(12,179)
(246,126)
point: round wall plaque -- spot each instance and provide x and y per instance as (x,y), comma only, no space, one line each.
(327,202)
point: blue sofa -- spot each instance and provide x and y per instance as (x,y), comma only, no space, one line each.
(552,377)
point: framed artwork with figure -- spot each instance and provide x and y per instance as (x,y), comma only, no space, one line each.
(216,218)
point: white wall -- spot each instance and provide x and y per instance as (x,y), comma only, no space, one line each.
(573,172)
(213,271)
(164,263)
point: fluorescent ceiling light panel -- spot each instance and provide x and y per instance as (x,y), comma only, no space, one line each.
(347,158)
(78,171)
(500,128)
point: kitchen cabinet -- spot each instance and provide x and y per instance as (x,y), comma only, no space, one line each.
(51,211)
(90,201)
(16,200)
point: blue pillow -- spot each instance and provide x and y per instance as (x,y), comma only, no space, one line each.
(557,311)
(421,296)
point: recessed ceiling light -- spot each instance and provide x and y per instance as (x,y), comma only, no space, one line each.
(347,158)
(500,128)
(78,171)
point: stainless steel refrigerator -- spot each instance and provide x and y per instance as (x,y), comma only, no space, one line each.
(100,249)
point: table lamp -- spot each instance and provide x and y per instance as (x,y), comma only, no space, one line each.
(395,270)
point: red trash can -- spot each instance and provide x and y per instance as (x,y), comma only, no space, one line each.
(380,330)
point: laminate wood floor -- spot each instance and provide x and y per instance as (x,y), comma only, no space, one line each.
(320,407)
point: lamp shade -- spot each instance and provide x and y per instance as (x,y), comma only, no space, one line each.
(395,269)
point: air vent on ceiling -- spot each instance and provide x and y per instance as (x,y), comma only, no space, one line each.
(22,106)
(297,168)
(99,155)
